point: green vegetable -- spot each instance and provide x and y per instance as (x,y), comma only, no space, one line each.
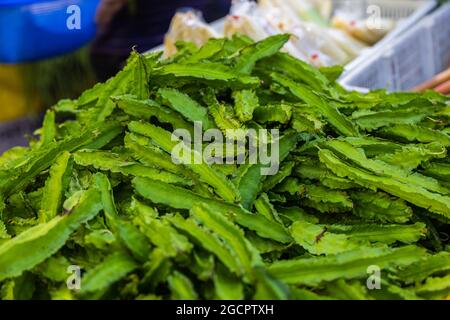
(181,287)
(55,186)
(186,106)
(254,52)
(112,269)
(348,265)
(119,197)
(38,243)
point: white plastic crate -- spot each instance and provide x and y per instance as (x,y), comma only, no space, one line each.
(379,75)
(439,24)
(423,52)
(409,60)
(406,13)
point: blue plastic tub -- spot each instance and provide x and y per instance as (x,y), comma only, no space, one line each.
(38,29)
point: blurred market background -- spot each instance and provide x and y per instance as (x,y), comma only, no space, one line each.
(55,49)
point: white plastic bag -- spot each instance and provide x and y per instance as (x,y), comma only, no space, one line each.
(317,11)
(313,41)
(248,18)
(362,29)
(245,18)
(187,26)
(350,45)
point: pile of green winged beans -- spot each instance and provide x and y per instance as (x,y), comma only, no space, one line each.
(96,208)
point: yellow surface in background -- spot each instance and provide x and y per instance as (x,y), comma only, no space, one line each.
(13,100)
